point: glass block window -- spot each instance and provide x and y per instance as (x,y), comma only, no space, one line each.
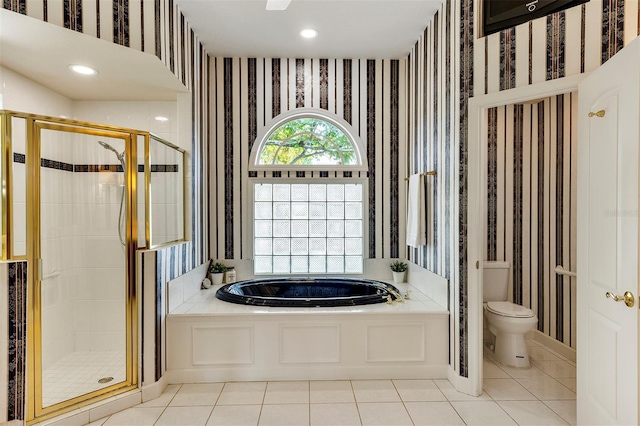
(307,141)
(303,228)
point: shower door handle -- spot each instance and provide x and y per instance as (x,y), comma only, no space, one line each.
(40,276)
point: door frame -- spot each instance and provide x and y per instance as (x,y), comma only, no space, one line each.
(477,198)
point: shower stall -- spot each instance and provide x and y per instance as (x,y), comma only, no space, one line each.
(77,210)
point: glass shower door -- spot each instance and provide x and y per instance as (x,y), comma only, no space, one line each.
(86,317)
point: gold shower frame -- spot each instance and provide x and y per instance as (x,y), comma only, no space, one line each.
(34,411)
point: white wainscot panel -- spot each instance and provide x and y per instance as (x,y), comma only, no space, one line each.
(222,345)
(395,342)
(313,343)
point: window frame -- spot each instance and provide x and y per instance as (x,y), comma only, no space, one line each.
(358,147)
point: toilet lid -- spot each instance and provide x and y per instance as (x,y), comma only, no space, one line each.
(509,309)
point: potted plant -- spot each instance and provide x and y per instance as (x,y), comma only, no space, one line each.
(216,272)
(398,267)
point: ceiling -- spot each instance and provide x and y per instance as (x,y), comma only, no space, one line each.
(370,29)
(42,52)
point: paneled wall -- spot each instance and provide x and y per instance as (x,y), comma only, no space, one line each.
(249,93)
(531,206)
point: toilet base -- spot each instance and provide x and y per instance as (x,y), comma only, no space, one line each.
(511,350)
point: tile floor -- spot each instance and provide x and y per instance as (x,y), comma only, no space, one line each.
(78,373)
(543,394)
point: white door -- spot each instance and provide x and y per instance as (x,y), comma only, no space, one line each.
(607,350)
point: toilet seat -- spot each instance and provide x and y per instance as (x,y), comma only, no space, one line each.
(508,309)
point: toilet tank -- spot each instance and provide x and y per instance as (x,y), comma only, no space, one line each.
(495,281)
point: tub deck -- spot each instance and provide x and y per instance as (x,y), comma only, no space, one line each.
(211,340)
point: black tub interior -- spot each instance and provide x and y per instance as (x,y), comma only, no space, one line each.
(306,292)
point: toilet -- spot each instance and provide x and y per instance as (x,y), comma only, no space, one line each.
(507,322)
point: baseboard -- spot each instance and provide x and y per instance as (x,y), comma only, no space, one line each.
(556,346)
(154,390)
(243,374)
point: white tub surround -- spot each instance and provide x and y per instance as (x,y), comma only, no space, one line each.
(209,340)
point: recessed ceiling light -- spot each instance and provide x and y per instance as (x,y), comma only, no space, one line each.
(309,33)
(83,69)
(162,118)
(277,4)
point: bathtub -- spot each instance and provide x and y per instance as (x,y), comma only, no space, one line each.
(308,292)
(210,340)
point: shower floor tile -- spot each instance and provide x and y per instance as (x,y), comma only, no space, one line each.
(78,373)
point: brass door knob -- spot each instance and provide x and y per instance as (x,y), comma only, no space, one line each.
(628,298)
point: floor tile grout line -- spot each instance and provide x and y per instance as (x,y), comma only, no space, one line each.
(215,403)
(547,375)
(355,401)
(558,414)
(262,405)
(402,401)
(169,403)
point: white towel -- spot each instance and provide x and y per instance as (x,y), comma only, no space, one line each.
(416,219)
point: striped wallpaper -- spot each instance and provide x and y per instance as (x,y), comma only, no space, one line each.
(431,95)
(569,42)
(559,45)
(16,339)
(248,93)
(531,206)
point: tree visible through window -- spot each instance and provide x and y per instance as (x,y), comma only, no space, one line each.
(308,141)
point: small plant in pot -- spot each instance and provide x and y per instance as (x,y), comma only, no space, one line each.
(216,272)
(398,268)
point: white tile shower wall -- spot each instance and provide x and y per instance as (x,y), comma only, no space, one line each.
(18,136)
(184,140)
(57,294)
(167,217)
(99,303)
(19,209)
(140,115)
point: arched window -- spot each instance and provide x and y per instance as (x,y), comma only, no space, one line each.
(308,138)
(308,208)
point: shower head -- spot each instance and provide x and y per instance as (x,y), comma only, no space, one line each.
(110,148)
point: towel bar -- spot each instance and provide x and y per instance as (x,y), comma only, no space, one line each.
(430,173)
(561,271)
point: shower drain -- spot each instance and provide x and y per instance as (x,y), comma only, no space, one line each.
(105,380)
